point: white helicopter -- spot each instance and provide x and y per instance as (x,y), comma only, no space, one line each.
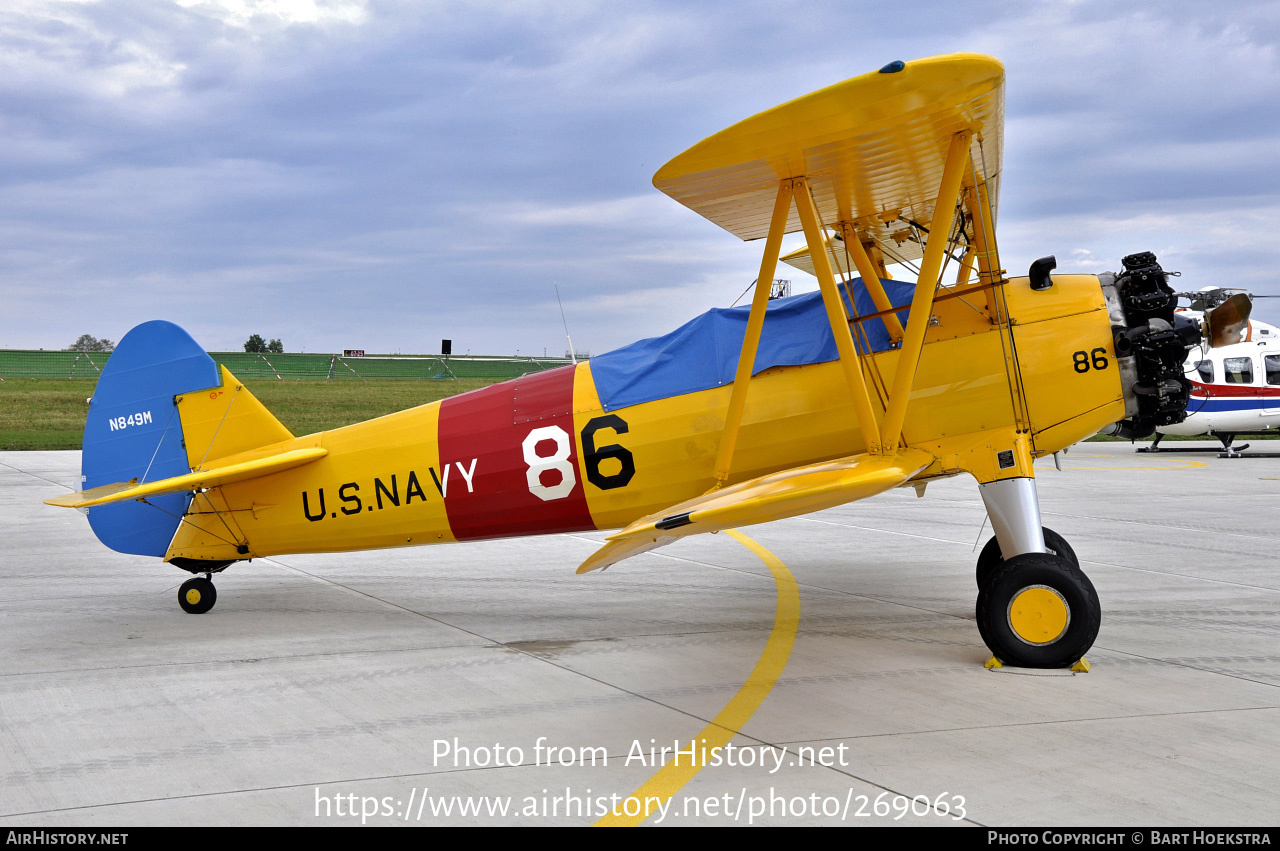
(1235,389)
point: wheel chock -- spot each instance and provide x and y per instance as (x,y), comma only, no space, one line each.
(1080,667)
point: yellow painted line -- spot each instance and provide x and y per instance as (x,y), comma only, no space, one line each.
(671,777)
(1179,465)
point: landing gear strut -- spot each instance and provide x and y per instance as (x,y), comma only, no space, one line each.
(1036,608)
(197,595)
(1229,451)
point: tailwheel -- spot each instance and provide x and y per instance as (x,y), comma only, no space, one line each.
(197,596)
(990,558)
(1038,610)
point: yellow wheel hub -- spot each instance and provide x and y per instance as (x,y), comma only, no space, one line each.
(193,596)
(1039,615)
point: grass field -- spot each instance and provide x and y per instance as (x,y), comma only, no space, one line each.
(48,413)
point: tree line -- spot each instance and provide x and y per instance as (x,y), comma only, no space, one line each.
(255,344)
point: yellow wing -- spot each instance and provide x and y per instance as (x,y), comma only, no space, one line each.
(872,148)
(840,264)
(201,479)
(775,496)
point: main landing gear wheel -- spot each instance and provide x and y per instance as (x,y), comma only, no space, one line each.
(989,559)
(197,596)
(1038,610)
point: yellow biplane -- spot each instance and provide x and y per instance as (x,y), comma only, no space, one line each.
(742,415)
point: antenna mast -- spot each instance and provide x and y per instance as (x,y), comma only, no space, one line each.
(572,355)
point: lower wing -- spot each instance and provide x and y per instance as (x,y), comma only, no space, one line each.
(775,496)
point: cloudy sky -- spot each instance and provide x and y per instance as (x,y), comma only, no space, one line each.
(380,175)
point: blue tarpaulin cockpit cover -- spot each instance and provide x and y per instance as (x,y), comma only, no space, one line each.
(703,353)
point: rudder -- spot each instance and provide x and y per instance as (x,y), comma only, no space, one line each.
(133,431)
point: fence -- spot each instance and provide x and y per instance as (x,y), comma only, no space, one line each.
(20,363)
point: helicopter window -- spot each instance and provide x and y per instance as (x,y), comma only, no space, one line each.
(1238,370)
(1205,368)
(1273,369)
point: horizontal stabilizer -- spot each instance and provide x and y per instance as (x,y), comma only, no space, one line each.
(202,479)
(788,493)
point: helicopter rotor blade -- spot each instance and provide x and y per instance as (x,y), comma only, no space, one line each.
(1227,322)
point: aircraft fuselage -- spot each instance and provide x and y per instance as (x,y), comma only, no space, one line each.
(540,454)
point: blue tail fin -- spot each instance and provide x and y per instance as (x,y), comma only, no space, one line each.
(133,432)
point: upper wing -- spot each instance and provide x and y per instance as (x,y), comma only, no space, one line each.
(872,148)
(775,496)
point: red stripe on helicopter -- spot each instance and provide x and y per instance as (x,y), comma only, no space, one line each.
(1223,391)
(508,459)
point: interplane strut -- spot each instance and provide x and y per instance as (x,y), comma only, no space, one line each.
(880,438)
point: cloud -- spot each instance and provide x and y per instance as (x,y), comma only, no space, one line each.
(382,174)
(248,13)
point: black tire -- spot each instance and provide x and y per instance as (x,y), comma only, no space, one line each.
(1038,573)
(197,596)
(990,558)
